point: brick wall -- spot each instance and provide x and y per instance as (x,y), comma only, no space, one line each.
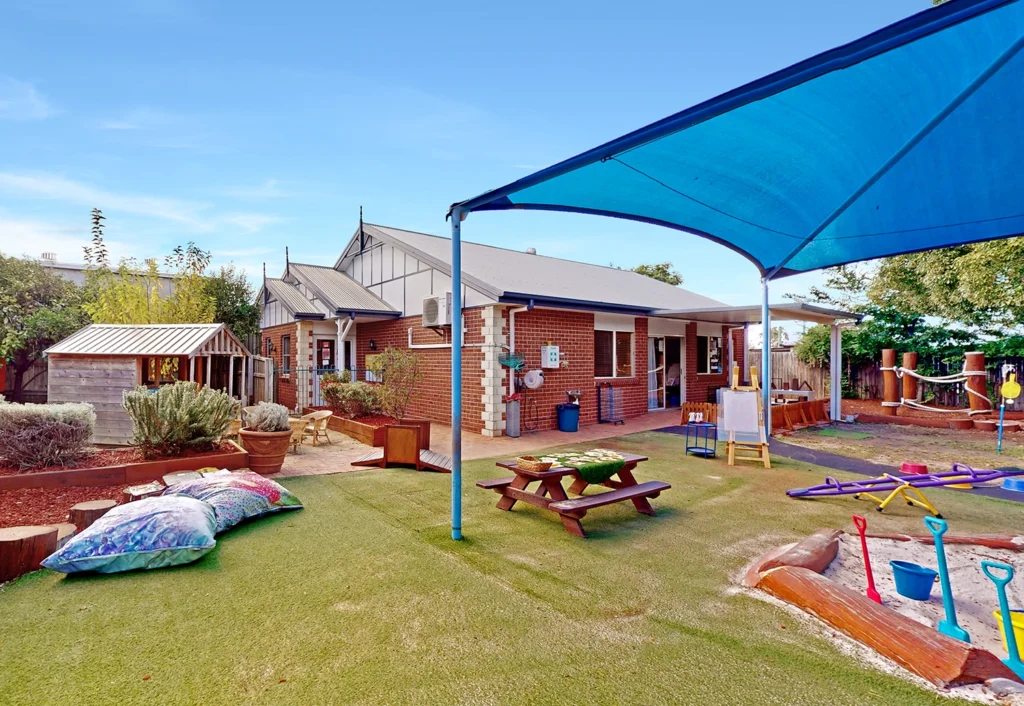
(285,385)
(433,397)
(697,385)
(573,333)
(737,354)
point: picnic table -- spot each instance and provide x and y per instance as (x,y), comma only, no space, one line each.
(550,494)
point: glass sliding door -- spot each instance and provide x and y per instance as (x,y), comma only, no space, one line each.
(656,372)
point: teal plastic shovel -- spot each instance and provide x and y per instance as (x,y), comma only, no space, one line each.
(1013,661)
(948,626)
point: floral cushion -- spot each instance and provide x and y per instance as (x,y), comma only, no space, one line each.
(145,534)
(237,496)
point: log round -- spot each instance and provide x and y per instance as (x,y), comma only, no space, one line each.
(909,381)
(922,650)
(22,548)
(974,362)
(84,514)
(890,384)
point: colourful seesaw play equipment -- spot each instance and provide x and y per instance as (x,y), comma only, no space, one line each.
(907,487)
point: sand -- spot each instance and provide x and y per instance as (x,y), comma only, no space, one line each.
(974,594)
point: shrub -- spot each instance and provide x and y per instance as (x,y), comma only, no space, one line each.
(177,418)
(37,435)
(331,378)
(268,417)
(351,399)
(399,371)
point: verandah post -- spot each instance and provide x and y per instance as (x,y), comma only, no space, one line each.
(456,215)
(766,359)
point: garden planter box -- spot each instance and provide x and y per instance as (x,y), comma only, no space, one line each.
(127,473)
(374,436)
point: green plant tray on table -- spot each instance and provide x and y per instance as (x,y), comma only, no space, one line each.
(594,466)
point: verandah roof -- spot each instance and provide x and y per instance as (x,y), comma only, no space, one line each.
(905,140)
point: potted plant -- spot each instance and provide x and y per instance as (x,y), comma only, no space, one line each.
(399,373)
(266,437)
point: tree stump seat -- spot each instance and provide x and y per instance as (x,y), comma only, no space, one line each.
(84,514)
(23,548)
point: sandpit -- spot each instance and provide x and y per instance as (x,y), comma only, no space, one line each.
(973,593)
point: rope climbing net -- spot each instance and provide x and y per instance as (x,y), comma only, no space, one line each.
(956,378)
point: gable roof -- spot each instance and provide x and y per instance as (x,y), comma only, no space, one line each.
(292,299)
(337,290)
(514,275)
(150,339)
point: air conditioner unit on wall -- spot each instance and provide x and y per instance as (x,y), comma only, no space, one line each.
(437,310)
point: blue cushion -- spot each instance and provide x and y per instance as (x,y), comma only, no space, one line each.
(146,534)
(237,496)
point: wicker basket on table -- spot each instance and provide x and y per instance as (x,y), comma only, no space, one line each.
(532,463)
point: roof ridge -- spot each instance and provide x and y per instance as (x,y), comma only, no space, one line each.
(523,252)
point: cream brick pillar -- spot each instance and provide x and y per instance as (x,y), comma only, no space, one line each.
(304,361)
(493,381)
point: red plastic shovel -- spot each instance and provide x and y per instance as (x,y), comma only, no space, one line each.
(862,525)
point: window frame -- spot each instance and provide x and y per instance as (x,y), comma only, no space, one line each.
(286,354)
(615,357)
(706,344)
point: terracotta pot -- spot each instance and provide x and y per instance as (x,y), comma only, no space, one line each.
(266,449)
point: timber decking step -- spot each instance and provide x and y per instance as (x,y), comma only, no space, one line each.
(587,502)
(374,458)
(436,461)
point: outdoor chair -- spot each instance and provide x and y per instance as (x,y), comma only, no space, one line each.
(317,425)
(298,426)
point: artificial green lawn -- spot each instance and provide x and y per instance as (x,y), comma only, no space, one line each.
(363,598)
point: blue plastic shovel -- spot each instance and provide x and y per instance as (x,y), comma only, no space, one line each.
(1013,661)
(948,626)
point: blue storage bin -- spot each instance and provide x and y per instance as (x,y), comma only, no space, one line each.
(568,417)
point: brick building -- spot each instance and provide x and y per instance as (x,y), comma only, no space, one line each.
(613,329)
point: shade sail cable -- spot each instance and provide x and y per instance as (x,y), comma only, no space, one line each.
(907,147)
(699,202)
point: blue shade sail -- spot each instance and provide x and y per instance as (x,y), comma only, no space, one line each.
(909,139)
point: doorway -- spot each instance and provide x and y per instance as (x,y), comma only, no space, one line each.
(673,371)
(656,372)
(324,359)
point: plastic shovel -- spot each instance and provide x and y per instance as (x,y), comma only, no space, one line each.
(862,525)
(1013,661)
(948,626)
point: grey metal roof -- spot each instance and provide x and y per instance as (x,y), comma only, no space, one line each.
(148,339)
(292,298)
(793,311)
(518,274)
(338,291)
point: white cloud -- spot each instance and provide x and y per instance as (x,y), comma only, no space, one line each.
(21,101)
(251,222)
(267,190)
(138,119)
(50,186)
(17,236)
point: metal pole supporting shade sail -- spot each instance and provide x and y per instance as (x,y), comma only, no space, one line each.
(908,139)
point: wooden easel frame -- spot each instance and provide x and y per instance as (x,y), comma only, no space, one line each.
(759,449)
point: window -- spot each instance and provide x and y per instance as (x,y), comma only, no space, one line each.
(286,353)
(613,354)
(160,371)
(709,355)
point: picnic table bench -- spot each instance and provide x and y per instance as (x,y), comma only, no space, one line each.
(550,494)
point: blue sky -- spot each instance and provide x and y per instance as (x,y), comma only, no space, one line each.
(250,126)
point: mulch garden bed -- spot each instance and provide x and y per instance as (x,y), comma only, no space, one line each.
(100,458)
(45,506)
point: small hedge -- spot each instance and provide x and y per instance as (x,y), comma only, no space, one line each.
(177,418)
(39,435)
(350,399)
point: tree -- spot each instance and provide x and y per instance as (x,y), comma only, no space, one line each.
(37,309)
(233,302)
(132,294)
(661,271)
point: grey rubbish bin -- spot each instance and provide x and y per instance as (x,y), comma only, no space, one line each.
(512,418)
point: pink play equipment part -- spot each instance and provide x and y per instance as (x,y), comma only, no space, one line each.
(862,526)
(913,468)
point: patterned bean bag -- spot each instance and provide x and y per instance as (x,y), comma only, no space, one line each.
(146,534)
(237,496)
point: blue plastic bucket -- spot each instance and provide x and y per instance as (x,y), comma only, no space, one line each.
(913,580)
(1014,483)
(568,417)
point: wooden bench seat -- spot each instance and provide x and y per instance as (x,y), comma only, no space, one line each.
(495,483)
(579,506)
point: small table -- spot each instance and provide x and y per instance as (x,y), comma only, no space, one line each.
(704,439)
(550,495)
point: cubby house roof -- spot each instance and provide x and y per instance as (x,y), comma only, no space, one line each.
(150,339)
(519,276)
